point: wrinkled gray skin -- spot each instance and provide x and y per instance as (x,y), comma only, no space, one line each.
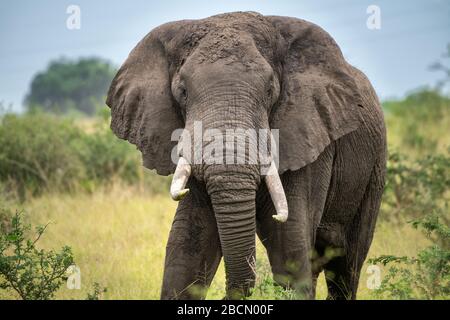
(251,71)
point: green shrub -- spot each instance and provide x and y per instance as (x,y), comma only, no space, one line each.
(41,152)
(107,158)
(415,188)
(34,274)
(97,292)
(37,153)
(426,276)
(267,287)
(419,123)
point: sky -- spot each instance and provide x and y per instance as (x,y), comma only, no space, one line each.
(396,57)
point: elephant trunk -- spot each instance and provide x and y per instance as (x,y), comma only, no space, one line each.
(232,192)
(231,185)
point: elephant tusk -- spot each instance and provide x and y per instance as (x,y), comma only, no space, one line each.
(277,194)
(180,178)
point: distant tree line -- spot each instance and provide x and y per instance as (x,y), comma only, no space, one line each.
(71,85)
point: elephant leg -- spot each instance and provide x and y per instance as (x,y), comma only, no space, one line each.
(339,280)
(193,250)
(343,272)
(289,245)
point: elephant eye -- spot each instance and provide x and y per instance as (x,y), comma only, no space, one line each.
(270,91)
(183,94)
(270,87)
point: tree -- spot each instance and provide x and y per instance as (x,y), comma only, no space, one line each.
(71,85)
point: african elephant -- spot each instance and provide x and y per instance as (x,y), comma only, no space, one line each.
(246,70)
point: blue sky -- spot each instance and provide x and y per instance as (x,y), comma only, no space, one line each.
(413,34)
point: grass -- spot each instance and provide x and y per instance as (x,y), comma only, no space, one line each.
(118,236)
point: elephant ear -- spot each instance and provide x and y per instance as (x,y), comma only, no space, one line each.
(142,108)
(319,100)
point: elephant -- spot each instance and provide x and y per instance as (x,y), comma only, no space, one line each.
(316,212)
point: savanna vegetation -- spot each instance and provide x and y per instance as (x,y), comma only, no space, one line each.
(70,86)
(90,203)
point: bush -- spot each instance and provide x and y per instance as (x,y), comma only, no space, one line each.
(415,188)
(107,158)
(419,123)
(42,152)
(97,292)
(32,273)
(426,276)
(38,152)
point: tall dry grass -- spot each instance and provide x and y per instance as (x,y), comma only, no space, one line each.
(118,236)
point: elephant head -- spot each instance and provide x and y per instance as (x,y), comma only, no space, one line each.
(237,70)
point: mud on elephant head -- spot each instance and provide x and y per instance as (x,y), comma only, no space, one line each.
(236,70)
